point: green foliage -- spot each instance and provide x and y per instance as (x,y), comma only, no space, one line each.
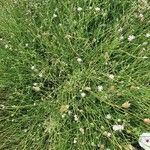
(62,49)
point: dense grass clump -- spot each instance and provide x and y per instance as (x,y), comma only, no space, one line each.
(74,74)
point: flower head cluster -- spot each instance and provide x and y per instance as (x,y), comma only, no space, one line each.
(144,141)
(131,38)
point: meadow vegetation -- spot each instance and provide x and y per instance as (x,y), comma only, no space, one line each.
(74,74)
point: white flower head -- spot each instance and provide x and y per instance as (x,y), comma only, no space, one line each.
(102,127)
(131,38)
(79,9)
(120,29)
(144,141)
(105,133)
(83,94)
(148,35)
(12,115)
(141,15)
(60,24)
(26,45)
(81,130)
(100,88)
(69,112)
(97,9)
(79,60)
(32,67)
(35,84)
(63,115)
(54,15)
(76,118)
(121,37)
(108,116)
(75,140)
(36,88)
(118,127)
(108,134)
(119,120)
(6,46)
(111,76)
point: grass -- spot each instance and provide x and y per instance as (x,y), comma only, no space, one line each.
(40,49)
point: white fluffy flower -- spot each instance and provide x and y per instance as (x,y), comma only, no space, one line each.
(60,24)
(75,140)
(108,116)
(121,37)
(32,67)
(119,120)
(141,15)
(76,118)
(26,45)
(147,35)
(111,76)
(35,84)
(81,130)
(100,88)
(63,115)
(79,60)
(79,9)
(144,141)
(83,94)
(118,127)
(54,15)
(120,29)
(36,88)
(6,46)
(97,9)
(108,134)
(69,112)
(131,38)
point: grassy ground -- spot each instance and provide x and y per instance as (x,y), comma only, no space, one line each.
(67,67)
